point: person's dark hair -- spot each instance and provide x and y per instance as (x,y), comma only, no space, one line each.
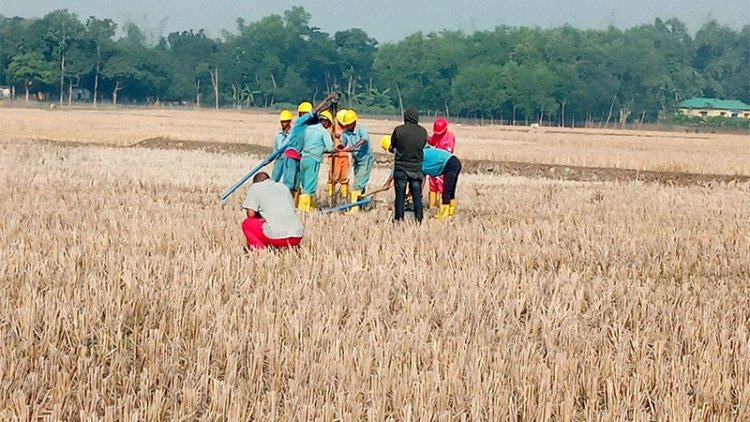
(261,177)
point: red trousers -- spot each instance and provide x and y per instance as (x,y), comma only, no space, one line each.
(253,229)
(436,184)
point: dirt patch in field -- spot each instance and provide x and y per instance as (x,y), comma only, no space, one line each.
(213,147)
(531,170)
(596,174)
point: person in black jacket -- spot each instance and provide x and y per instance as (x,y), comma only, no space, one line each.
(407,143)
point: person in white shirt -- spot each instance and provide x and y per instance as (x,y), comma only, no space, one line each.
(272,219)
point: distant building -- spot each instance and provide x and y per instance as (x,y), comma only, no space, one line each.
(81,94)
(712,107)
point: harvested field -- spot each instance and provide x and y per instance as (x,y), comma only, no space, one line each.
(125,294)
(642,151)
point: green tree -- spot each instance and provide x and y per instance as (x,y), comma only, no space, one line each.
(357,52)
(100,34)
(61,29)
(480,89)
(30,69)
(194,59)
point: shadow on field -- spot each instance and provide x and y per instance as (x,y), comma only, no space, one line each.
(489,167)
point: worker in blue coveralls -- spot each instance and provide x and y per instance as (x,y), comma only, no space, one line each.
(317,141)
(308,115)
(356,140)
(285,119)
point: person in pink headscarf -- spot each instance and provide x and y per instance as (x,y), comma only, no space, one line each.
(443,139)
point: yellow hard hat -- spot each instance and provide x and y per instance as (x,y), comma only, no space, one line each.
(305,107)
(327,115)
(348,118)
(385,142)
(285,116)
(340,116)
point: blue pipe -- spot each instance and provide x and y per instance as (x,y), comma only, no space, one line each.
(223,197)
(360,203)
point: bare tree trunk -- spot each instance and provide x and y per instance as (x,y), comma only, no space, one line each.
(275,87)
(328,83)
(26,85)
(197,92)
(235,97)
(400,99)
(447,111)
(562,114)
(215,83)
(72,85)
(98,69)
(62,79)
(614,99)
(118,88)
(349,89)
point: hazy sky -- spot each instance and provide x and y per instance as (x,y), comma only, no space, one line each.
(389,20)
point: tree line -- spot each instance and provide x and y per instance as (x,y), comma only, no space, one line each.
(560,75)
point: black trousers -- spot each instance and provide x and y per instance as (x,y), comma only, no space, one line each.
(450,179)
(402,179)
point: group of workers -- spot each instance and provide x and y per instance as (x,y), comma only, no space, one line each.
(271,200)
(315,133)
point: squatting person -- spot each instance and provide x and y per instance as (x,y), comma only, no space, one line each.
(271,217)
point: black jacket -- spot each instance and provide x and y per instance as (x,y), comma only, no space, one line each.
(408,142)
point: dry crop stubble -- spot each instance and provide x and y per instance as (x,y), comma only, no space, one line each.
(125,293)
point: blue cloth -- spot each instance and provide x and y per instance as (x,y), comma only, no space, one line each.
(309,171)
(434,161)
(280,139)
(362,170)
(317,140)
(297,134)
(278,168)
(291,173)
(350,138)
(278,165)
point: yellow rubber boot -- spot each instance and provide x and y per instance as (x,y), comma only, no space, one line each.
(305,203)
(330,191)
(433,200)
(452,208)
(355,197)
(344,190)
(444,213)
(295,196)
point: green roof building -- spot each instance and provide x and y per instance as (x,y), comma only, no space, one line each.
(713,107)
